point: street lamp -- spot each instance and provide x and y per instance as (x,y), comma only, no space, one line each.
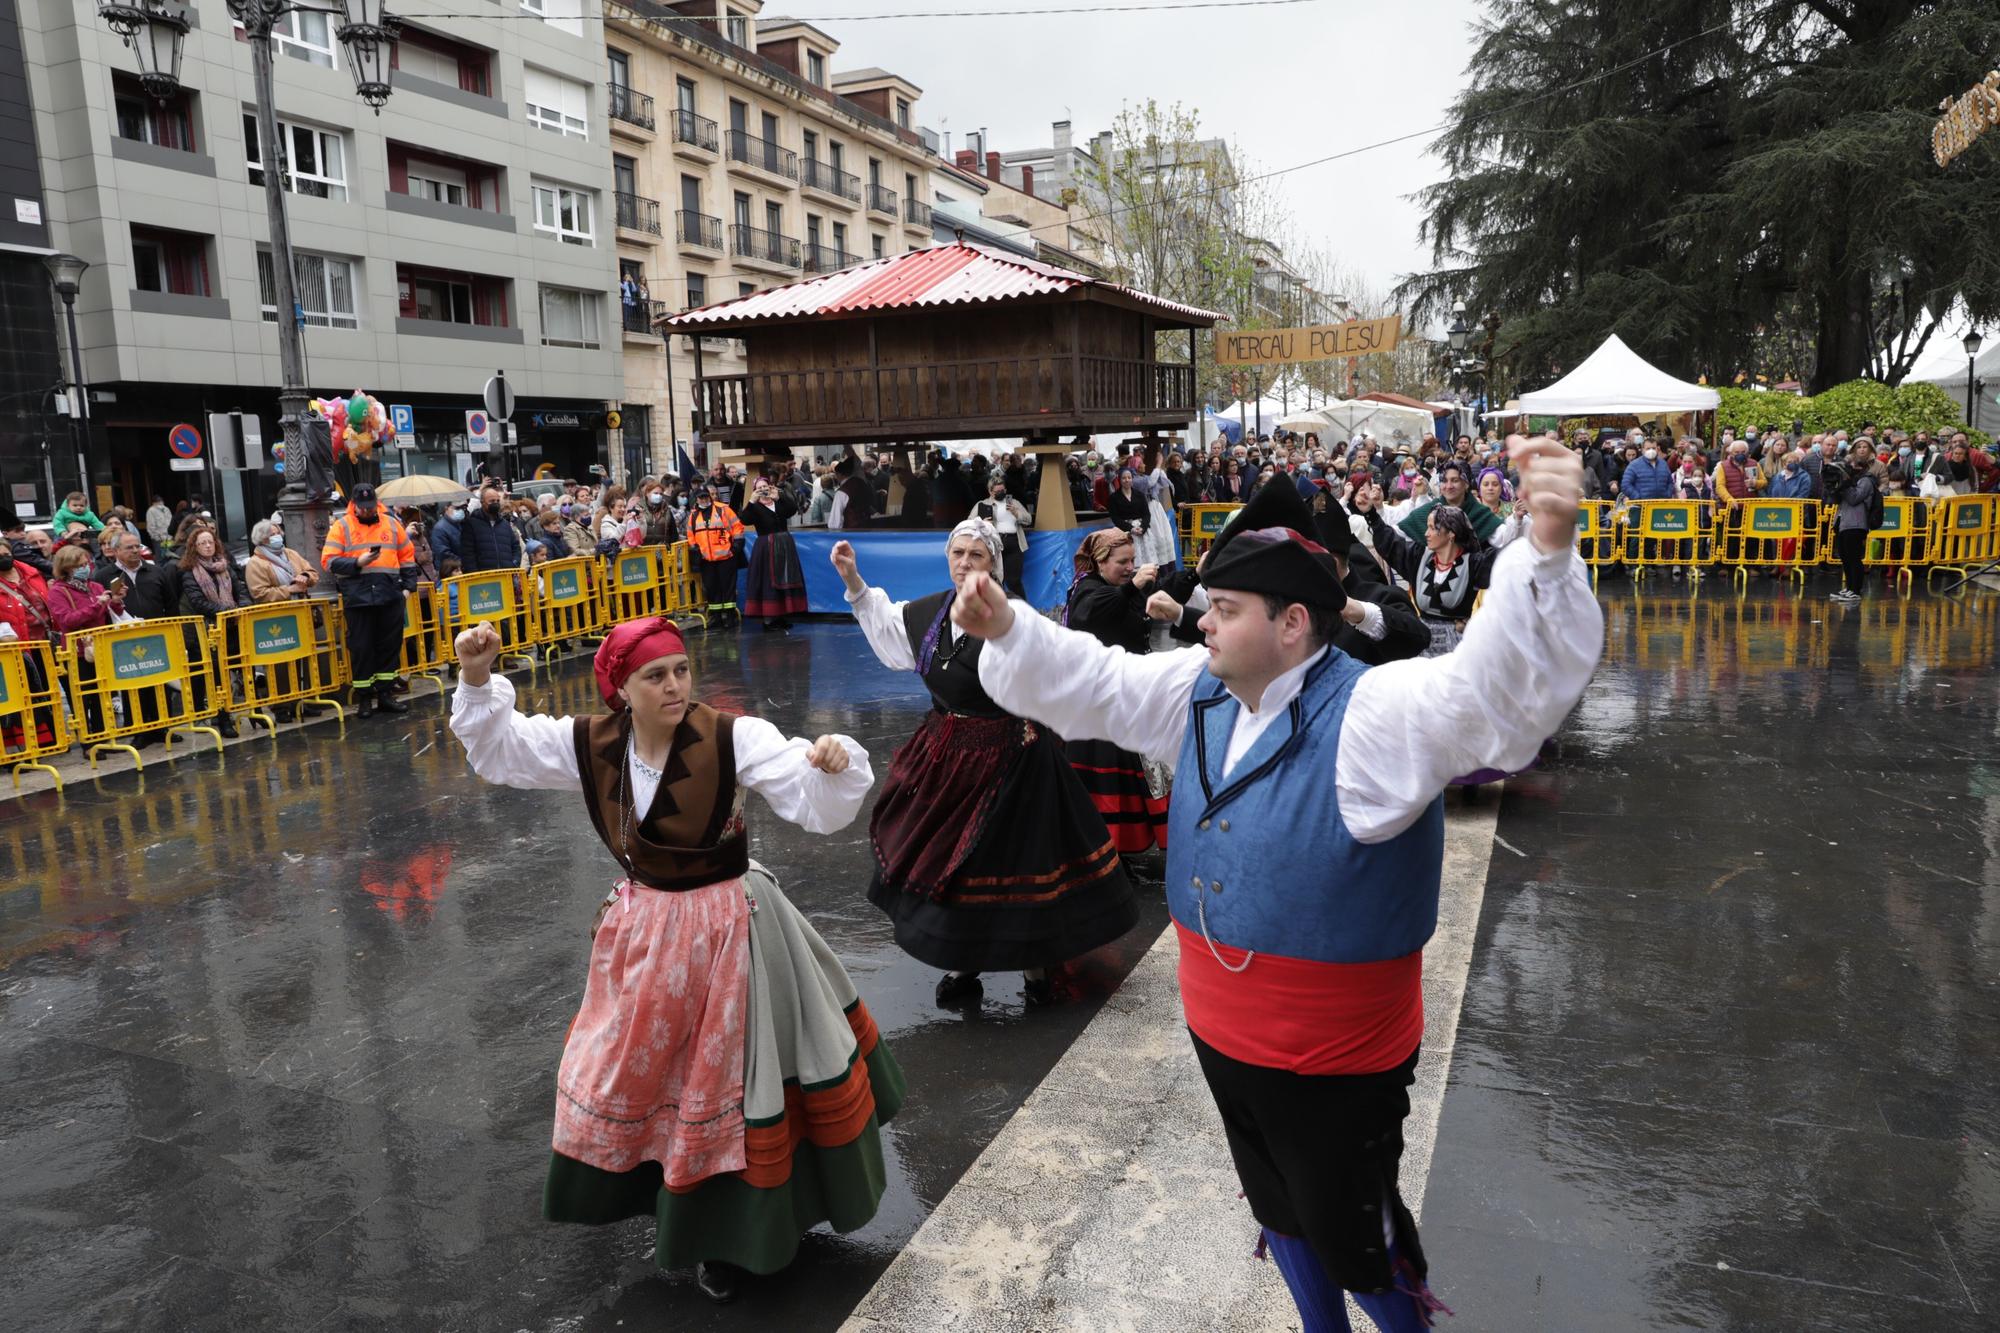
(1458,332)
(1972,344)
(368,34)
(66,272)
(156,35)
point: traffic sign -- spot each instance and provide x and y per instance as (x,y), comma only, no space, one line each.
(478,431)
(185,465)
(499,398)
(185,441)
(403,417)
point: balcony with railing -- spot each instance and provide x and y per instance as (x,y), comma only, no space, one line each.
(694,136)
(890,401)
(639,316)
(631,113)
(882,199)
(821,177)
(698,230)
(827,259)
(766,249)
(917,215)
(639,216)
(748,152)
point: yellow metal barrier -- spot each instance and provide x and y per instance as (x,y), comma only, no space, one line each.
(1596,539)
(149,676)
(636,585)
(1771,534)
(1201,524)
(423,653)
(1660,533)
(281,653)
(569,600)
(684,595)
(1964,533)
(496,597)
(32,722)
(1903,540)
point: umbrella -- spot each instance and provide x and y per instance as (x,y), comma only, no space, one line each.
(420,490)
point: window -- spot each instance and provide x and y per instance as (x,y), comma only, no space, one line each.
(450,298)
(569,318)
(316,160)
(563,213)
(809,146)
(742,209)
(875,242)
(684,95)
(324,285)
(903,112)
(816,68)
(690,194)
(746,289)
(774,218)
(559,105)
(442,61)
(624,174)
(169,261)
(697,290)
(305,35)
(836,157)
(439,184)
(875,172)
(739,28)
(812,229)
(620,66)
(840,237)
(168,124)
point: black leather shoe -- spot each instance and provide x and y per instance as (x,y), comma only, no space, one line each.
(389,703)
(226,724)
(1038,991)
(959,988)
(396,686)
(364,702)
(718,1281)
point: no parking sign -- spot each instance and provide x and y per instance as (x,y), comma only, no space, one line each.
(184,443)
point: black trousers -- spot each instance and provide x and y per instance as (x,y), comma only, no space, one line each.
(1850,543)
(375,642)
(1013,558)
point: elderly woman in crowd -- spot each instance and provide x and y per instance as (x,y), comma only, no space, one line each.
(210,585)
(276,573)
(1107,600)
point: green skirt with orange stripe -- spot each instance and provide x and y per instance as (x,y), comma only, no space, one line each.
(818,1085)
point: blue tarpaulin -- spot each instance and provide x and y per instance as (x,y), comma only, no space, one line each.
(909,565)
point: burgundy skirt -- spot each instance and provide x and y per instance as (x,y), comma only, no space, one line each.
(1115,780)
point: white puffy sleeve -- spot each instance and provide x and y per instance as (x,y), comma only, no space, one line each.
(882,622)
(774,766)
(512,748)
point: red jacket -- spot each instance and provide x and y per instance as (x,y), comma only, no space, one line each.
(25,604)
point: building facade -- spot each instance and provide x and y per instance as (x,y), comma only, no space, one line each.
(467,228)
(745,161)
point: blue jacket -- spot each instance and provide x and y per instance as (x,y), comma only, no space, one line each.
(444,540)
(1798,486)
(487,543)
(1647,480)
(1314,893)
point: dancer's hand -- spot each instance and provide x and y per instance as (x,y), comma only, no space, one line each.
(1164,608)
(843,562)
(828,755)
(1146,576)
(476,648)
(1554,475)
(982,609)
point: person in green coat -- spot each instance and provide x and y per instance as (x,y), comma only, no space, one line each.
(76,509)
(1454,487)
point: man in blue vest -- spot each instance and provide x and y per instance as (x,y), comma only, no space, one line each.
(1301,921)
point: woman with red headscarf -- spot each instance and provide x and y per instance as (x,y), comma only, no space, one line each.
(722,1076)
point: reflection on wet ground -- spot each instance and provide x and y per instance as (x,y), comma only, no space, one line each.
(1730,1050)
(278,1037)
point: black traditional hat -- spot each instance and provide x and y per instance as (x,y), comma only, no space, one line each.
(1268,548)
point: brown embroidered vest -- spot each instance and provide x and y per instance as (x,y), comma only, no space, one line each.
(693,835)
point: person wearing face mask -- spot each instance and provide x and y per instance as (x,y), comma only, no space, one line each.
(715,543)
(488,539)
(1647,477)
(447,534)
(370,557)
(276,573)
(1736,476)
(657,526)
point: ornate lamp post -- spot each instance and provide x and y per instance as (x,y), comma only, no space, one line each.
(156,32)
(66,272)
(1973,342)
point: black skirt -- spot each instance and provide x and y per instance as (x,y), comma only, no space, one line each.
(989,855)
(775,586)
(1115,781)
(1318,1156)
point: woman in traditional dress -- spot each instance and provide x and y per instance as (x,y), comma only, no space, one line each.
(1128,508)
(1445,574)
(1108,601)
(989,855)
(776,584)
(713,530)
(722,1076)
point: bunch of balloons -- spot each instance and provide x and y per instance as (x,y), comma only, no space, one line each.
(359,423)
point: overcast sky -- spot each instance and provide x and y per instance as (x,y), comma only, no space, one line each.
(1285,85)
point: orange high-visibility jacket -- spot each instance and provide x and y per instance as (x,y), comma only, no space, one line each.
(713,536)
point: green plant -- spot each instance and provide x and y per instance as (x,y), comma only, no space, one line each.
(1851,406)
(1743,408)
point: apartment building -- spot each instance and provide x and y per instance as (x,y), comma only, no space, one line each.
(990,209)
(467,228)
(742,159)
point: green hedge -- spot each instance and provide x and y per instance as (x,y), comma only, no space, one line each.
(1850,406)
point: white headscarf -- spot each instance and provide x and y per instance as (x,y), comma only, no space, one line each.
(984,531)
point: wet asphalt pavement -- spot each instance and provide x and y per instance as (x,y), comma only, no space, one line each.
(278,1030)
(1729,1056)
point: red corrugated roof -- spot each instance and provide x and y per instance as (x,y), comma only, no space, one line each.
(957,274)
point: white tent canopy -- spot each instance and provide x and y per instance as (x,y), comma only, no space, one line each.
(1615,381)
(1390,423)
